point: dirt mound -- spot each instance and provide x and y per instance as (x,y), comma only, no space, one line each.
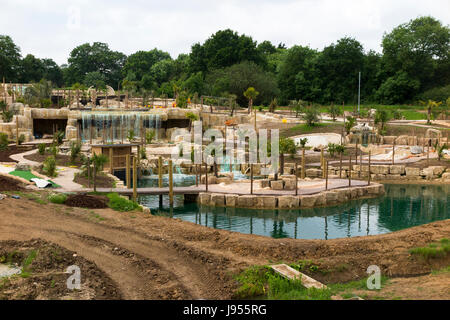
(87,201)
(9,184)
(43,273)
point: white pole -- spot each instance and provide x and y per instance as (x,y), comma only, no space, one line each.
(359,93)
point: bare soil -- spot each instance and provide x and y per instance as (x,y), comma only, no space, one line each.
(102,181)
(4,154)
(8,184)
(47,277)
(87,201)
(61,160)
(152,257)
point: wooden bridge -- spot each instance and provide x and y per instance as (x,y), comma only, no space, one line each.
(156,191)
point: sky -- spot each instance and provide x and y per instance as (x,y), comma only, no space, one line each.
(52,28)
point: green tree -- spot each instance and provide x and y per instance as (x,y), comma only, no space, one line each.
(223,49)
(141,62)
(334,111)
(382,117)
(349,124)
(98,57)
(419,49)
(251,95)
(9,59)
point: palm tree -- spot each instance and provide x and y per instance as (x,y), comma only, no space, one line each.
(431,105)
(251,95)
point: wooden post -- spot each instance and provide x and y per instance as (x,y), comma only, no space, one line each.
(206,176)
(322,161)
(127,173)
(170,183)
(95,177)
(255,119)
(196,175)
(303,164)
(134,179)
(251,178)
(428,152)
(89,171)
(91,132)
(340,165)
(160,175)
(369,176)
(350,171)
(326,175)
(296,179)
(160,178)
(356,152)
(393,152)
(111,159)
(17,130)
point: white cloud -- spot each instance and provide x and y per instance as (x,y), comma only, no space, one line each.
(45,28)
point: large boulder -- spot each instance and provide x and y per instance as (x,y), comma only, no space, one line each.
(217,200)
(277,184)
(288,202)
(266,202)
(231,200)
(204,198)
(410,171)
(397,169)
(246,201)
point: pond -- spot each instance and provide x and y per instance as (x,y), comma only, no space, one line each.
(403,206)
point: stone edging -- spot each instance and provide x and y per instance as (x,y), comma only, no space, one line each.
(322,199)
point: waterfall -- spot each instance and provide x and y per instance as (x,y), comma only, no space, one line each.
(115,121)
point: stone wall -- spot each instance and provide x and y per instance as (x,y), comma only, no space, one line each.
(393,172)
(322,199)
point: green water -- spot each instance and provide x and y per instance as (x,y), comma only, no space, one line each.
(403,206)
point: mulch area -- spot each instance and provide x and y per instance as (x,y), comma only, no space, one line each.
(4,154)
(8,184)
(61,160)
(102,181)
(87,201)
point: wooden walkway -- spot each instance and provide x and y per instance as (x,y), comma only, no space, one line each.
(155,191)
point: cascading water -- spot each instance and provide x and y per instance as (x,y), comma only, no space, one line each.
(116,125)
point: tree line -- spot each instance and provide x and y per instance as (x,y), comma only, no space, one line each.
(414,65)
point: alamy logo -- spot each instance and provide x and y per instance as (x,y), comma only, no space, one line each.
(236,142)
(374,280)
(74,281)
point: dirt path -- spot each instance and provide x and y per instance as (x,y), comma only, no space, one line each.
(150,257)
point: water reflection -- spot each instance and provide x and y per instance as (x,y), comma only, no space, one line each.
(402,207)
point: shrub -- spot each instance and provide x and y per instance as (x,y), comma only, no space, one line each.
(21,139)
(7,116)
(397,115)
(3,141)
(332,149)
(335,111)
(118,203)
(58,198)
(150,135)
(75,148)
(53,150)
(58,137)
(143,154)
(46,103)
(351,121)
(311,116)
(50,166)
(131,135)
(41,148)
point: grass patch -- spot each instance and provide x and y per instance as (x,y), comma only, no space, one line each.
(27,175)
(118,203)
(58,198)
(262,281)
(26,270)
(433,250)
(441,271)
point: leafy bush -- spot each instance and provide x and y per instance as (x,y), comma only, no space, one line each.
(131,135)
(58,198)
(75,148)
(118,203)
(150,135)
(21,139)
(7,116)
(3,141)
(58,137)
(311,116)
(53,150)
(46,103)
(332,149)
(41,148)
(351,121)
(50,166)
(335,111)
(436,94)
(397,115)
